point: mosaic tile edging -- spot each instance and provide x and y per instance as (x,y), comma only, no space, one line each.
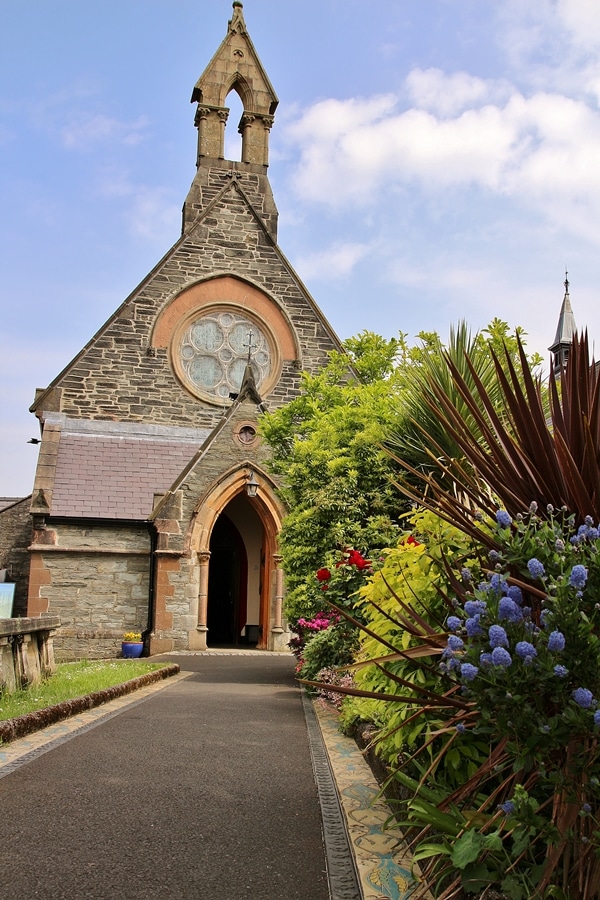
(384,865)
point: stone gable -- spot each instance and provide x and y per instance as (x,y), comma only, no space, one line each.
(121,376)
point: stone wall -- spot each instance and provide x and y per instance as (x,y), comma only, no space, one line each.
(120,375)
(97,580)
(15,537)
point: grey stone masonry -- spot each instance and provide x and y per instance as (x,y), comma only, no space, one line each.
(15,537)
(120,376)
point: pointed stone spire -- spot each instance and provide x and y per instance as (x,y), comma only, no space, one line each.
(565,331)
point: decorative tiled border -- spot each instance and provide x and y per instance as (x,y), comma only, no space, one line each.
(384,865)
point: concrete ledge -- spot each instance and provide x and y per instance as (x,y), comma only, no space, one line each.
(28,625)
(26,650)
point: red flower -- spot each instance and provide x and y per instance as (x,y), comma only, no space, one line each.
(324,587)
(356,559)
(323,574)
(412,542)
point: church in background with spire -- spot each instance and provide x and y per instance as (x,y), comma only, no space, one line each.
(565,332)
(153,509)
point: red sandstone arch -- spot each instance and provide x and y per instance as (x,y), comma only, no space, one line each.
(270,512)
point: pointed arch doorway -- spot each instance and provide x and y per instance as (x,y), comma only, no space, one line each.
(257,522)
(235,576)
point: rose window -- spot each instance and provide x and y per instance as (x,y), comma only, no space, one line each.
(214,349)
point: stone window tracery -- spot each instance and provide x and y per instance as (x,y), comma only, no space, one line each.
(212,353)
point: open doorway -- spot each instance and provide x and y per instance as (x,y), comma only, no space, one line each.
(235,576)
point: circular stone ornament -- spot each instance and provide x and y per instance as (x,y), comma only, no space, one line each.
(210,354)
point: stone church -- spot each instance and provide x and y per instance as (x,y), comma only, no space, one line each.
(153,508)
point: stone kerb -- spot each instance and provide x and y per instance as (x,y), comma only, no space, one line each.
(26,650)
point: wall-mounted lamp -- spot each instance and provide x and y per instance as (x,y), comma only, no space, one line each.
(252,485)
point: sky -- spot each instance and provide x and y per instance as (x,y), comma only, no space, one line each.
(432,161)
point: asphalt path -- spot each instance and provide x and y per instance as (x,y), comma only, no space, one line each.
(203,790)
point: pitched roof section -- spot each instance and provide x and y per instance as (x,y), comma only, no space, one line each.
(115,476)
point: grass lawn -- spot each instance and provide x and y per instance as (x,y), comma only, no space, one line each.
(71,680)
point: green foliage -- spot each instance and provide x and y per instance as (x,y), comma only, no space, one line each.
(424,440)
(327,445)
(335,478)
(522,811)
(335,646)
(411,583)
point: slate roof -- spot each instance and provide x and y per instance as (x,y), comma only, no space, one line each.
(112,476)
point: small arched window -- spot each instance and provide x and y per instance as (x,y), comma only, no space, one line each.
(233,138)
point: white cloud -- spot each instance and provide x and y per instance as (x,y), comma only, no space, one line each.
(540,150)
(337,261)
(447,95)
(85,130)
(582,19)
(150,212)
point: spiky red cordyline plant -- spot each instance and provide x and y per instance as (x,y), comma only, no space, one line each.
(518,455)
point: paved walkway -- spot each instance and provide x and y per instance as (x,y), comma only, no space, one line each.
(198,787)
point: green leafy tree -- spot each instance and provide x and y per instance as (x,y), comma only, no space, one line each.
(336,479)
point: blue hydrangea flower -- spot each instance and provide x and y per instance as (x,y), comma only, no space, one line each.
(583,697)
(475,607)
(455,643)
(503,519)
(501,657)
(559,545)
(497,582)
(508,609)
(525,650)
(536,568)
(508,808)
(466,574)
(586,808)
(453,623)
(460,728)
(556,641)
(545,617)
(561,671)
(485,659)
(589,521)
(468,671)
(597,718)
(473,627)
(497,636)
(515,594)
(494,556)
(578,576)
(453,664)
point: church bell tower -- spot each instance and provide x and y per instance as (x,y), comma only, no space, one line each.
(234,67)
